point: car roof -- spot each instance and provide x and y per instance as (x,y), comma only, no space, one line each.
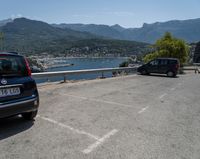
(10,53)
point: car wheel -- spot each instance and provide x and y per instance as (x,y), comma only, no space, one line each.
(170,74)
(30,115)
(144,72)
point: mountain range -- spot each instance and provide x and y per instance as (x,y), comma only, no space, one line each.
(189,30)
(31,36)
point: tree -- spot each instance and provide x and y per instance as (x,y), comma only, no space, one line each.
(169,46)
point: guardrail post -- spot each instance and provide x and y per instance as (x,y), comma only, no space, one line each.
(102,75)
(64,78)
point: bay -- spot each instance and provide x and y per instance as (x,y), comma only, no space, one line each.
(84,63)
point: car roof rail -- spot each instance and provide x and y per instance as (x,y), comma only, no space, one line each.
(13,52)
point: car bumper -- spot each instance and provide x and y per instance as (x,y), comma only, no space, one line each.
(18,107)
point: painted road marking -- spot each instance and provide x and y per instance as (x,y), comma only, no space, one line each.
(99,141)
(142,110)
(172,89)
(163,95)
(97,100)
(69,127)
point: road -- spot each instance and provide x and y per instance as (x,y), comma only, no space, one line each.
(129,117)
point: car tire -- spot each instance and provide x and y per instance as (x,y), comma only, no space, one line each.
(170,74)
(30,115)
(144,72)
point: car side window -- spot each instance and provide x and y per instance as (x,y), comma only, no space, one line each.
(163,62)
(173,62)
(154,62)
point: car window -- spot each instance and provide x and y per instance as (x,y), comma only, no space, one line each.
(163,62)
(12,66)
(154,62)
(173,61)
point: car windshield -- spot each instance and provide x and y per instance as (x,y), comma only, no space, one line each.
(12,66)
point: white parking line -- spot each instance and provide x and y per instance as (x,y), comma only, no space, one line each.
(142,110)
(69,127)
(97,100)
(99,142)
(90,148)
(172,89)
(163,95)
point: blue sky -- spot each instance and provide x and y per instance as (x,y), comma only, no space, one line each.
(128,13)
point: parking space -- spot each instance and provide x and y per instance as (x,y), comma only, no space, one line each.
(123,117)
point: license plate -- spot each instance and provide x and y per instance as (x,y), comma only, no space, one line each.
(9,91)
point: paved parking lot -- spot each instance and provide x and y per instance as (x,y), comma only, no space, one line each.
(132,117)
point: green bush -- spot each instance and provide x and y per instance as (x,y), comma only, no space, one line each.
(169,46)
(124,64)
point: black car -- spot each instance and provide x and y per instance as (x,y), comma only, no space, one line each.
(18,91)
(169,66)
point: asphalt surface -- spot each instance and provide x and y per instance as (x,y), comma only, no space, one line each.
(130,117)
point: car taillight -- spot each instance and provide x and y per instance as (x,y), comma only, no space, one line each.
(177,66)
(28,67)
(3,55)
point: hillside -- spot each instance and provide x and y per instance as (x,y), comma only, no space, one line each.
(4,22)
(100,30)
(189,30)
(35,37)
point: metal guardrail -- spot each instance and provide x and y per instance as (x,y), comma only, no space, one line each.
(195,67)
(75,72)
(196,64)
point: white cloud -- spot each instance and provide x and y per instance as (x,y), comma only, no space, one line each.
(14,16)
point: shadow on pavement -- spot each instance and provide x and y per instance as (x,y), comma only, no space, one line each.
(160,75)
(13,126)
